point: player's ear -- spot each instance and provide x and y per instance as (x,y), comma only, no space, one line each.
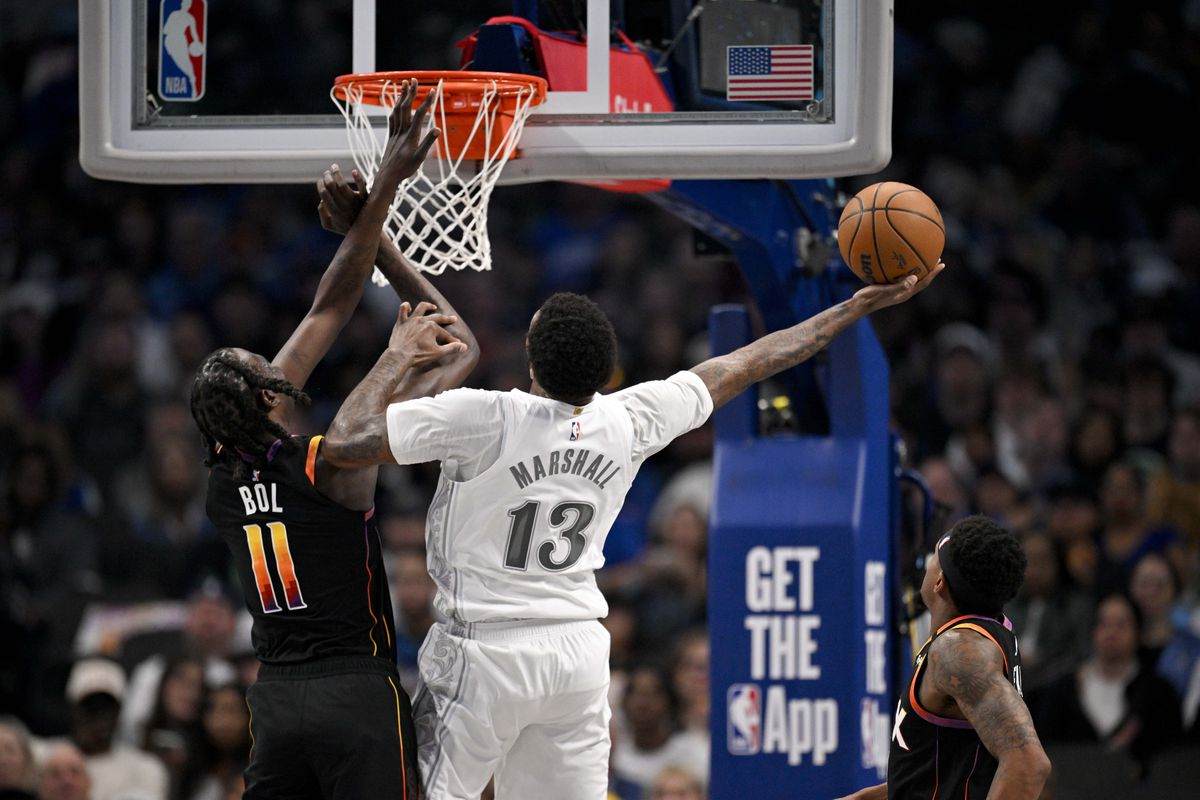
(268,398)
(939,584)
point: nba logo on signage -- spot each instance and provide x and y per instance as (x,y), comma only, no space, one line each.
(182,49)
(745,719)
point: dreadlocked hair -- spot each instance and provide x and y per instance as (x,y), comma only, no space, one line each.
(233,424)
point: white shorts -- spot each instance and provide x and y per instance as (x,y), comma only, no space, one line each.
(526,703)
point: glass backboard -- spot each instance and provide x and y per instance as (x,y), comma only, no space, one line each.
(182,91)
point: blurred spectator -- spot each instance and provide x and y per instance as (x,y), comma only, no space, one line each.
(173,732)
(689,675)
(412,597)
(47,572)
(1154,588)
(1175,491)
(208,636)
(167,544)
(652,740)
(1051,618)
(117,772)
(1111,698)
(65,775)
(1127,533)
(16,761)
(225,746)
(676,784)
(1096,443)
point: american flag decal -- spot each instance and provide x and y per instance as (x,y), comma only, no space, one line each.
(770,72)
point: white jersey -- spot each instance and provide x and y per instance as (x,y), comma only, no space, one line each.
(530,487)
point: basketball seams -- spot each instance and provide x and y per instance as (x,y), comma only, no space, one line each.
(887,211)
(857,227)
(874,237)
(907,243)
(940,227)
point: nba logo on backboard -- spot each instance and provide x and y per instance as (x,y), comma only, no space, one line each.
(182,49)
(744,719)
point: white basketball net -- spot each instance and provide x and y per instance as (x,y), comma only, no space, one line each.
(439,216)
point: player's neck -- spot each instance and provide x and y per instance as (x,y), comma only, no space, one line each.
(538,391)
(941,615)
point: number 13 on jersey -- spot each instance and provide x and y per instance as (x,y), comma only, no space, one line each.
(570,519)
(283,563)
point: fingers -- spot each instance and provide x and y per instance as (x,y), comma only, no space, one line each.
(418,119)
(359,184)
(428,142)
(342,195)
(928,277)
(423,308)
(406,99)
(405,308)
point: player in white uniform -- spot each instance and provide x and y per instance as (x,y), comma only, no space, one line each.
(515,680)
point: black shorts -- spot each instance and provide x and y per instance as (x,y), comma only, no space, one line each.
(336,729)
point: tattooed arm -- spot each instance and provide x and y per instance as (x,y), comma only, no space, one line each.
(358,435)
(729,375)
(970,670)
(341,204)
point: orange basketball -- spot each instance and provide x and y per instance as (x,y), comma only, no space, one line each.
(891,230)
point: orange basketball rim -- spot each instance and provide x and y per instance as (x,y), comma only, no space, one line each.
(467,98)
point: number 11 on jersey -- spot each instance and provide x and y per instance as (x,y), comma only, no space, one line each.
(283,563)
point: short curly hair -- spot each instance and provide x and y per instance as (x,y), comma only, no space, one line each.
(572,347)
(989,558)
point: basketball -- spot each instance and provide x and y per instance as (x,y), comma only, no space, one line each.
(891,230)
(196,49)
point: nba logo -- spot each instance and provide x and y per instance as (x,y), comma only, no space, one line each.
(576,430)
(182,49)
(744,719)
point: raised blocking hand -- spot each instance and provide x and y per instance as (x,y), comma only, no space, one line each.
(406,149)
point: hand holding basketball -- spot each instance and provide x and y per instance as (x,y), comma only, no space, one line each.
(889,231)
(883,295)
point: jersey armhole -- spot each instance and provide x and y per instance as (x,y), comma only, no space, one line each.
(505,440)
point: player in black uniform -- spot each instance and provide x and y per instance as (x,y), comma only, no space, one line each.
(328,717)
(962,729)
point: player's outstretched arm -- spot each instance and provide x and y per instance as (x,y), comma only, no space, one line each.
(969,668)
(729,375)
(341,203)
(341,286)
(358,436)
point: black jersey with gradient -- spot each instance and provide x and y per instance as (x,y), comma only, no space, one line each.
(939,757)
(311,569)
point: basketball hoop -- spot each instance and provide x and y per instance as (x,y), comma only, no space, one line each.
(439,219)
